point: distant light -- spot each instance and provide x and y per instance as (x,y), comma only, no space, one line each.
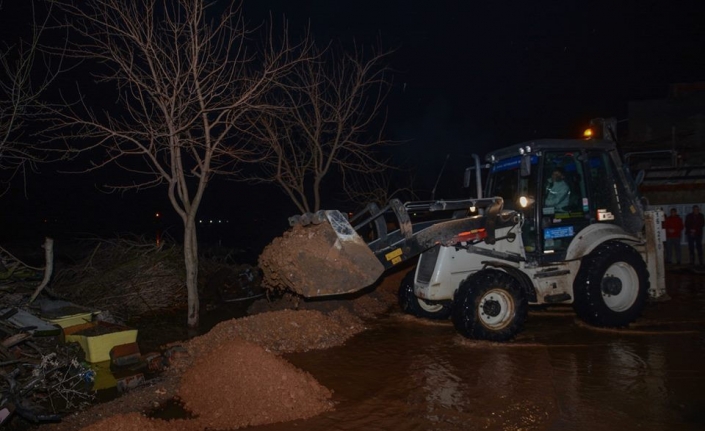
(220,221)
(587,133)
(200,221)
(211,221)
(157,215)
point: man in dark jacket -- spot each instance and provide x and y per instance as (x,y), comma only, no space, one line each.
(694,223)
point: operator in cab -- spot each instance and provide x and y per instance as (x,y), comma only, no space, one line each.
(557,192)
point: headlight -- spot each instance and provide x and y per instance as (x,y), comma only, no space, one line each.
(525,201)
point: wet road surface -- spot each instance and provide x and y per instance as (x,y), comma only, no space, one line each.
(559,374)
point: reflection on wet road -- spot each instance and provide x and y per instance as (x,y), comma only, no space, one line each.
(409,374)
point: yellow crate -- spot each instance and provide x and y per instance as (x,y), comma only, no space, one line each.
(75,319)
(97,347)
(104,378)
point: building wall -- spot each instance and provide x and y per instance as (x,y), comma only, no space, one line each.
(674,122)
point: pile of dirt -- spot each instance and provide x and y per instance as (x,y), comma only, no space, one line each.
(240,384)
(142,399)
(315,261)
(234,385)
(282,331)
(237,364)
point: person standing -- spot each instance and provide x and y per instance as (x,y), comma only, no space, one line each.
(694,223)
(674,230)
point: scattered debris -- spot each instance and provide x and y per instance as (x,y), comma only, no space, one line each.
(232,283)
(64,313)
(41,387)
(98,338)
(25,321)
(125,354)
(128,277)
(13,270)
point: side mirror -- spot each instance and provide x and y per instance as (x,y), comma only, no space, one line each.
(525,167)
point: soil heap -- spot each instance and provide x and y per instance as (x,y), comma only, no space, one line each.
(314,261)
(225,388)
(242,356)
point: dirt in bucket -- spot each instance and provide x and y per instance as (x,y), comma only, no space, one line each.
(315,261)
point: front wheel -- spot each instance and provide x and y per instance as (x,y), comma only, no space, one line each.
(490,305)
(411,304)
(612,286)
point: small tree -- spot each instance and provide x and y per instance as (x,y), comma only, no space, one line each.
(25,75)
(329,107)
(184,81)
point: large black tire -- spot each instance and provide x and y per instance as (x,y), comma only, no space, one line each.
(490,305)
(612,286)
(418,307)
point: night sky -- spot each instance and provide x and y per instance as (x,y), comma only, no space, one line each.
(468,77)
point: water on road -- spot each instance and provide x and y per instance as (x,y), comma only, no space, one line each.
(559,374)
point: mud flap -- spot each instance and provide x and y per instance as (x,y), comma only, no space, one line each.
(323,259)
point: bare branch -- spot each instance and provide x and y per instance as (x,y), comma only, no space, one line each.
(186,76)
(380,188)
(25,74)
(328,109)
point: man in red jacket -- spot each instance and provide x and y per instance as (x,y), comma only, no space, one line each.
(674,229)
(694,223)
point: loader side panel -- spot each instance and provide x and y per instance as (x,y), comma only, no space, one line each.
(427,263)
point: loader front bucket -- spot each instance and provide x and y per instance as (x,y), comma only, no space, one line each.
(328,258)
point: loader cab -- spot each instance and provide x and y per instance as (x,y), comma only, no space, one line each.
(560,187)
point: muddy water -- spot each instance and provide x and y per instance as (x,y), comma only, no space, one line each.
(409,374)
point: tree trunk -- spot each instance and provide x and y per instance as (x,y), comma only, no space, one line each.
(48,267)
(191,261)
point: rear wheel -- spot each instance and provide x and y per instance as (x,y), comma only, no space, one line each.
(490,305)
(612,286)
(411,304)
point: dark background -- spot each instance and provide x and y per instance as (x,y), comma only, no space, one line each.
(468,77)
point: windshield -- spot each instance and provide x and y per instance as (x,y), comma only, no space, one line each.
(507,183)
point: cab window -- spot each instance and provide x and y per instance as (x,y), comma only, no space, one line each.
(605,201)
(565,207)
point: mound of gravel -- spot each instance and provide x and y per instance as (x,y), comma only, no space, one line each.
(282,331)
(240,384)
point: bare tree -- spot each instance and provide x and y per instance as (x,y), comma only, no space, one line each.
(378,187)
(185,76)
(329,108)
(25,74)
